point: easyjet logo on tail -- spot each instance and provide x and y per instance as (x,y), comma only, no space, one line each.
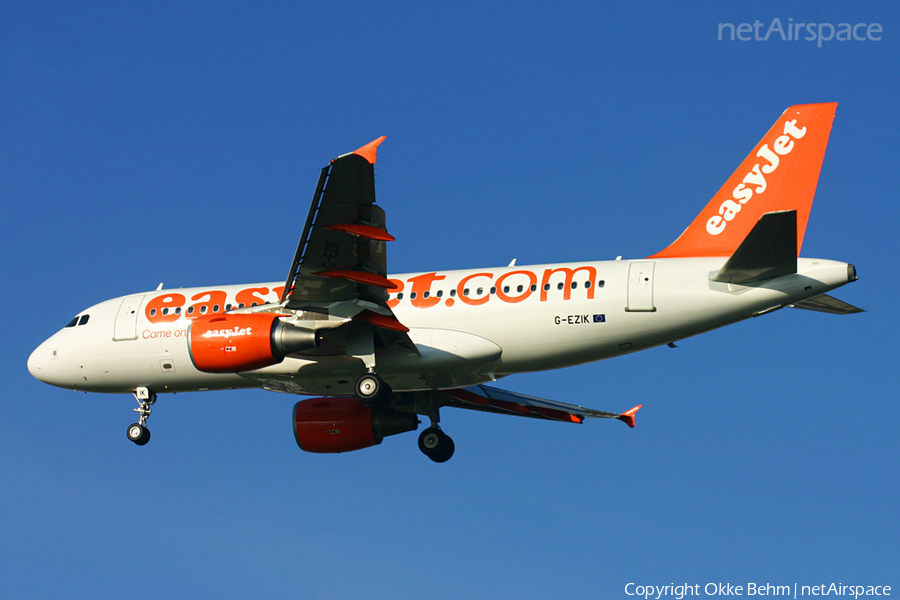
(754,182)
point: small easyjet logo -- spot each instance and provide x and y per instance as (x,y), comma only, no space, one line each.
(227,333)
(754,182)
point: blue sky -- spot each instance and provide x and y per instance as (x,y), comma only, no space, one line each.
(181,142)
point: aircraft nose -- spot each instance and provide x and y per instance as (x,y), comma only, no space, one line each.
(34,363)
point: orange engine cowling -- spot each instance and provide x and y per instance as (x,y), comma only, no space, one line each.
(232,343)
(345,424)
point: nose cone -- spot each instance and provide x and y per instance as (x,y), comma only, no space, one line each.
(34,363)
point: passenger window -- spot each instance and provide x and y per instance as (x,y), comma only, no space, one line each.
(74,320)
(228,307)
(203,310)
(178,311)
(559,286)
(400,296)
(519,288)
(215,308)
(587,284)
(546,287)
(412,296)
(426,294)
(165,311)
(479,291)
(453,292)
(152,314)
(493,290)
(574,285)
(466,292)
(601,283)
(241,305)
(440,293)
(533,287)
(83,319)
(190,310)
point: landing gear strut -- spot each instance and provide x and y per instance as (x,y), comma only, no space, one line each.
(138,432)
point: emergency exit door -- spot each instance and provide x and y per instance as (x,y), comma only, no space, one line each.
(640,287)
(126,319)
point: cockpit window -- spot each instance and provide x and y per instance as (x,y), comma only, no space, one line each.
(83,319)
(73,322)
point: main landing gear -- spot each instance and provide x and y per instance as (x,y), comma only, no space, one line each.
(436,445)
(433,442)
(138,432)
(370,387)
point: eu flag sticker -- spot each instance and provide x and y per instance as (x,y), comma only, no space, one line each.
(599,318)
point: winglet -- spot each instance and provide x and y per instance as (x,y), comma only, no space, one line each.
(370,150)
(627,417)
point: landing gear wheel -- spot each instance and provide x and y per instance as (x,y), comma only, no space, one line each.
(138,434)
(436,445)
(369,387)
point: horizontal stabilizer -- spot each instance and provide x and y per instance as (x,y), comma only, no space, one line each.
(828,304)
(491,399)
(768,251)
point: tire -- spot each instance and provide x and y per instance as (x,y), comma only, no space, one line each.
(429,440)
(138,434)
(369,387)
(436,445)
(446,449)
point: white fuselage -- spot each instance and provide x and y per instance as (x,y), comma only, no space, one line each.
(469,326)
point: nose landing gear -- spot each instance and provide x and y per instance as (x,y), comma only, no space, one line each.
(138,432)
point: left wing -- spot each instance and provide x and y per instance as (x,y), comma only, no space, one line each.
(490,399)
(343,241)
(342,253)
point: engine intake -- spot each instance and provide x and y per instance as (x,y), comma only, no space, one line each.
(328,425)
(244,342)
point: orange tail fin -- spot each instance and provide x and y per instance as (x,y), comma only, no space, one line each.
(780,173)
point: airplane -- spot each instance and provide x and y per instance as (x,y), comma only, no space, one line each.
(380,350)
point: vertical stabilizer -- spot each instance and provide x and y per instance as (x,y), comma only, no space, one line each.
(780,174)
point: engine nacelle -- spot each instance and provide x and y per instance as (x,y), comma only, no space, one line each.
(233,343)
(345,424)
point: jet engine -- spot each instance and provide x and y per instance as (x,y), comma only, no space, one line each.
(345,424)
(232,343)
